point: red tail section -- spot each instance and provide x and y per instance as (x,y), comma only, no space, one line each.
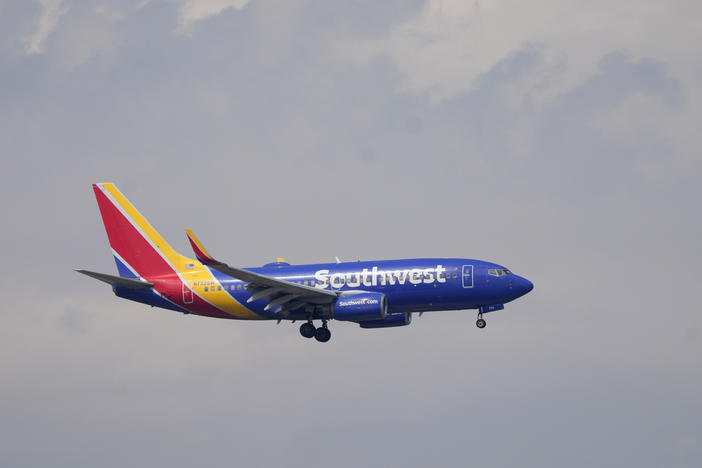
(131,237)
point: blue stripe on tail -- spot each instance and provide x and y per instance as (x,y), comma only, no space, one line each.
(124,271)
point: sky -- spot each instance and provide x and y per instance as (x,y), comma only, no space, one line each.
(557,138)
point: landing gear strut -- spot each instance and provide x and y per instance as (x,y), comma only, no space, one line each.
(480,323)
(322,334)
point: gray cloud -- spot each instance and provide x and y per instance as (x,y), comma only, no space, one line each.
(302,132)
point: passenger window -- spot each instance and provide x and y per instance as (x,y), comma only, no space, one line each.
(205,288)
(455,275)
(219,288)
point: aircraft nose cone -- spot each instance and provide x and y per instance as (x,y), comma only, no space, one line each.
(523,286)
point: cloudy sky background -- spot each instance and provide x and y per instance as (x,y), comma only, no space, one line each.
(559,138)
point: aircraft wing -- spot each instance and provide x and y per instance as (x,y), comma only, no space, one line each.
(284,296)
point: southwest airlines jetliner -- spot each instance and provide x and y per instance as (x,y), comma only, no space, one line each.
(377,294)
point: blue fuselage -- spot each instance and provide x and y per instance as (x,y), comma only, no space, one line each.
(411,285)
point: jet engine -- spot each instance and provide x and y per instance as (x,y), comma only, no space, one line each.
(362,306)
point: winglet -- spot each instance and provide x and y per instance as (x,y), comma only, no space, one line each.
(199,250)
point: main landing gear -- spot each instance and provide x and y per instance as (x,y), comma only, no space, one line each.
(307,330)
(321,334)
(480,323)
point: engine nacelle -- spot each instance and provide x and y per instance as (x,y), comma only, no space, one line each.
(362,306)
(391,320)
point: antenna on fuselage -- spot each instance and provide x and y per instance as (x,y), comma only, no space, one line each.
(337,260)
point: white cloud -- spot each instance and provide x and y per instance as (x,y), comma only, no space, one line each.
(446,48)
(51,12)
(194,11)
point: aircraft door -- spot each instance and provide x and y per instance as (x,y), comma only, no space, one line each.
(187,294)
(467,276)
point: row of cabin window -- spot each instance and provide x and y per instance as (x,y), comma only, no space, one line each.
(231,287)
(342,280)
(240,286)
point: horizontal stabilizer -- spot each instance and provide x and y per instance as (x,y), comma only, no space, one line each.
(118,280)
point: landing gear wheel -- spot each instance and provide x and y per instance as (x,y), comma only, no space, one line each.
(480,323)
(322,334)
(307,330)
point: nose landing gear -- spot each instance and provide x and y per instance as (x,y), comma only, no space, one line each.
(480,323)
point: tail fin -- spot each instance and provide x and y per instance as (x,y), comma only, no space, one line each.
(139,250)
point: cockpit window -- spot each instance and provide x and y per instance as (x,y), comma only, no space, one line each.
(498,272)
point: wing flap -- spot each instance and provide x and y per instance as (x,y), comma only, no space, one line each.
(258,279)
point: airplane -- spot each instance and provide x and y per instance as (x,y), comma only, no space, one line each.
(373,294)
